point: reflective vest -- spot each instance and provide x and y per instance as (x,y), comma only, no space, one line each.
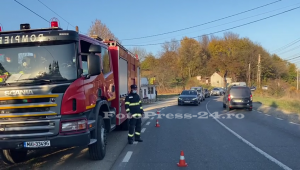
(133,104)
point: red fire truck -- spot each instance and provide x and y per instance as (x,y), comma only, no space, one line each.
(68,92)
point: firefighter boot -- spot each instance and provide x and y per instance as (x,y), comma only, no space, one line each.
(138,138)
(130,140)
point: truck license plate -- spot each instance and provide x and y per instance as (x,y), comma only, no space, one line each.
(37,144)
(186,101)
(238,100)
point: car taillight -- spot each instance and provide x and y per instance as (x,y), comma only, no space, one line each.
(251,97)
(229,97)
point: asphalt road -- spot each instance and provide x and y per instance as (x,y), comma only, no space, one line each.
(77,158)
(249,140)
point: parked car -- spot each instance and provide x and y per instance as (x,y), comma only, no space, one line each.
(216,92)
(222,90)
(252,88)
(200,91)
(189,97)
(207,93)
(238,97)
(265,87)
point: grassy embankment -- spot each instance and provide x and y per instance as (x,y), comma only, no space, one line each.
(283,103)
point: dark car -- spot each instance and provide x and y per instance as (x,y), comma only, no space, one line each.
(189,97)
(238,97)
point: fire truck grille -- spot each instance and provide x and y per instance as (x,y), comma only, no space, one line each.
(28,129)
(28,116)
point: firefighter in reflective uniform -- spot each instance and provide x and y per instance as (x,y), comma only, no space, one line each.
(133,105)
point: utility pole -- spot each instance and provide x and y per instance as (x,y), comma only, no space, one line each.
(297,79)
(258,72)
(249,76)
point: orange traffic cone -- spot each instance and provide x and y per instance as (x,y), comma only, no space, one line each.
(157,124)
(182,162)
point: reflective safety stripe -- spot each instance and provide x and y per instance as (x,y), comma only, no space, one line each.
(127,110)
(127,102)
(181,158)
(140,101)
(141,107)
(134,104)
(130,135)
(137,133)
(136,114)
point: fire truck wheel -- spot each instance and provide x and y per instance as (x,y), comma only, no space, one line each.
(97,150)
(10,157)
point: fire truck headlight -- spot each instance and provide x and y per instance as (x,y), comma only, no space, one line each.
(77,125)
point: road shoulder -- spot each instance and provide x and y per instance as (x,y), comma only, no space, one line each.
(278,113)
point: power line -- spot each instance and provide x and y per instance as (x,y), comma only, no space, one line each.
(203,23)
(59,16)
(227,28)
(55,13)
(31,11)
(290,49)
(226,23)
(287,45)
(293,58)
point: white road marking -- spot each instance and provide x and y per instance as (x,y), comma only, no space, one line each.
(147,123)
(279,118)
(259,112)
(127,156)
(250,144)
(268,115)
(294,123)
(135,142)
(152,118)
(143,130)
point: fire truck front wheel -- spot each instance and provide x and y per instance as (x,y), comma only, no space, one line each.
(97,150)
(10,156)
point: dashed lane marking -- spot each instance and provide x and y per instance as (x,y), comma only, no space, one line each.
(127,156)
(250,144)
(294,123)
(143,130)
(147,123)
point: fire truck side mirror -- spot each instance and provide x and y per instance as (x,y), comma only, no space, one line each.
(95,49)
(94,65)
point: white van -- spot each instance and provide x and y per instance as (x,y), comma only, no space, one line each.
(238,84)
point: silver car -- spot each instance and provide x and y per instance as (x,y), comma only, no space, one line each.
(216,92)
(200,91)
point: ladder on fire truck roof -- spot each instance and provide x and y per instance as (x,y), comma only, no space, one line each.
(114,43)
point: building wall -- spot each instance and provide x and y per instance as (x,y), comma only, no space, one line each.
(216,80)
(229,80)
(147,93)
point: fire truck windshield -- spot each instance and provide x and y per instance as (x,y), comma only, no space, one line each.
(48,61)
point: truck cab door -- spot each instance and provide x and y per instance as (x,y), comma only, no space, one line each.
(107,70)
